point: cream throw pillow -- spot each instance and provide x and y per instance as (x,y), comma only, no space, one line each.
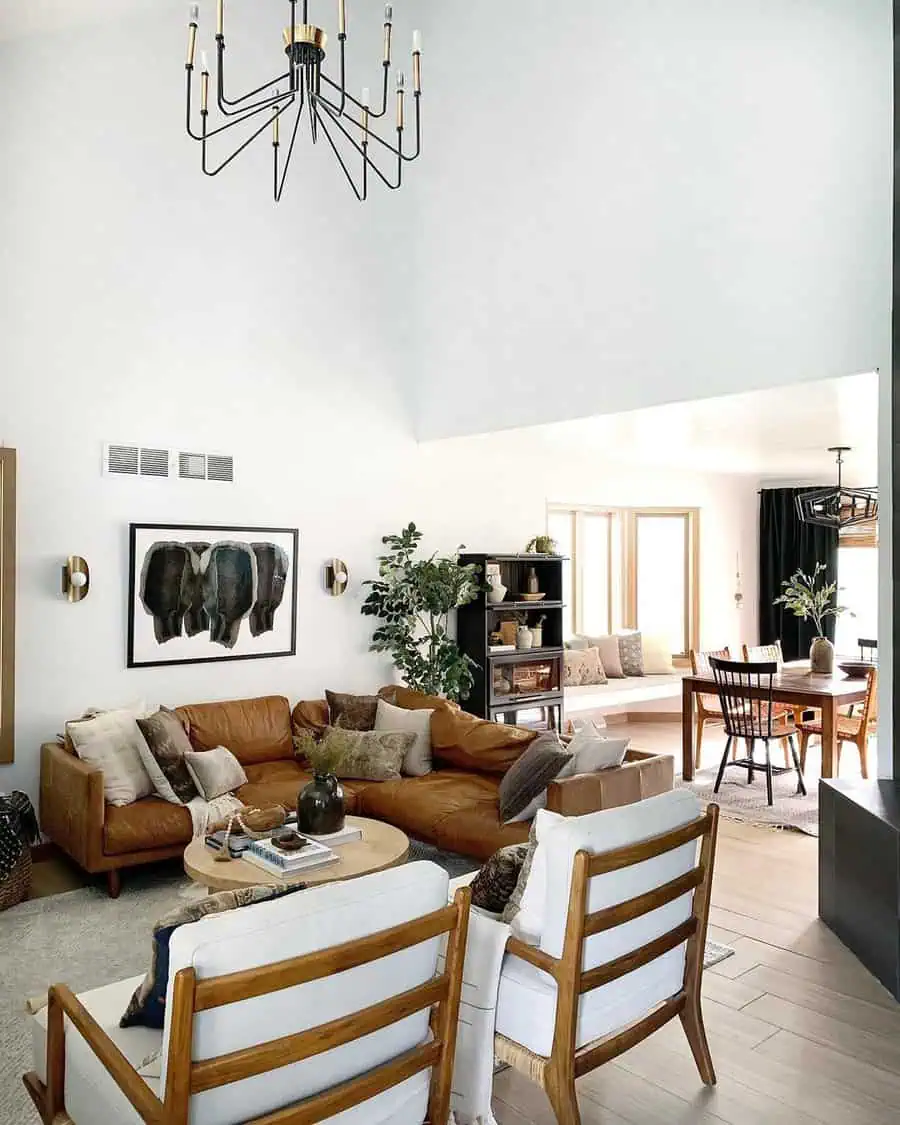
(416,760)
(592,751)
(657,656)
(111,741)
(215,772)
(525,910)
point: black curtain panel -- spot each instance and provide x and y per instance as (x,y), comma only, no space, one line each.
(786,544)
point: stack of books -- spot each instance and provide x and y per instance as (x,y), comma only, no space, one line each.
(264,854)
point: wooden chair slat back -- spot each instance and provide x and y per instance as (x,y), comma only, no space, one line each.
(442,993)
(745,696)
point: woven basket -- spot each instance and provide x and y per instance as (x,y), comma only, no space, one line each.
(17,884)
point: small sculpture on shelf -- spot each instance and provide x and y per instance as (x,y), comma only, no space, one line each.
(541,545)
(496,591)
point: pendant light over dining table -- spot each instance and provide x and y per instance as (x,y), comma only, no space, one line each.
(303,97)
(837,505)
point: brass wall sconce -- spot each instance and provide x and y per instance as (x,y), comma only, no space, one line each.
(336,577)
(76,578)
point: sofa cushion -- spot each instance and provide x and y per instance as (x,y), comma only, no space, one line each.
(167,743)
(477,831)
(279,783)
(352,712)
(411,700)
(146,824)
(254,730)
(310,715)
(418,804)
(469,743)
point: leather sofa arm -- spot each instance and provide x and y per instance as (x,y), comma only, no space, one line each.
(72,805)
(640,776)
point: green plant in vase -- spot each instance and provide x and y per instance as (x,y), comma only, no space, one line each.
(810,600)
(413,599)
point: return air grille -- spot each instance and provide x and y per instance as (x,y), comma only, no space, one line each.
(141,461)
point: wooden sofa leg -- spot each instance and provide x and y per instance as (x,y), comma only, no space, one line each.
(692,1022)
(114,883)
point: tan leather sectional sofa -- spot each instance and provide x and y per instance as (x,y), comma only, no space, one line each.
(455,807)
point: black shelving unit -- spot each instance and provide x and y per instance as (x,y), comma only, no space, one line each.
(508,683)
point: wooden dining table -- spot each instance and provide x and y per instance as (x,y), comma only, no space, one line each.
(794,684)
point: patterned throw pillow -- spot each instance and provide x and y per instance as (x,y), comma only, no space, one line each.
(631,654)
(370,755)
(147,1007)
(527,779)
(583,667)
(215,772)
(496,881)
(352,712)
(168,743)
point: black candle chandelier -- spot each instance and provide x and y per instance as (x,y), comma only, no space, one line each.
(838,506)
(306,92)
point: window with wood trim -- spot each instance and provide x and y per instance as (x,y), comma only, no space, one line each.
(7,601)
(630,568)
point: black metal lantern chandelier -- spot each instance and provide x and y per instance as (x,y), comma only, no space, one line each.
(305,93)
(838,506)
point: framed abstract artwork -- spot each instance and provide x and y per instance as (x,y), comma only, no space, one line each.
(199,594)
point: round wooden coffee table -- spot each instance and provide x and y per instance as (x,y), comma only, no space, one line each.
(381,846)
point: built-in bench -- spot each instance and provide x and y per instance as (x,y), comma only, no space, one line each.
(634,693)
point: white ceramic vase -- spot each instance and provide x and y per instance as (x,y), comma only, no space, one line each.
(524,637)
(496,590)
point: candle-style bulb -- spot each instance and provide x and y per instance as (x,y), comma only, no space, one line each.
(388,13)
(194,11)
(366,97)
(401,81)
(204,62)
(417,42)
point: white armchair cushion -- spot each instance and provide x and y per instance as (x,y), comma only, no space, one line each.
(92,1098)
(292,926)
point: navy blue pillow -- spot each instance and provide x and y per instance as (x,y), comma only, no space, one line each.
(147,1007)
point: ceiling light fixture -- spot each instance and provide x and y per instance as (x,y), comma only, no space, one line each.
(304,92)
(838,506)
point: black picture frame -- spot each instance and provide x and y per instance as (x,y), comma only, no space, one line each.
(213,532)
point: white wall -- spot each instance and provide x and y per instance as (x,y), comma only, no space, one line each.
(659,201)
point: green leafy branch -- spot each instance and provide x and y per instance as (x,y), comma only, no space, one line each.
(805,599)
(413,599)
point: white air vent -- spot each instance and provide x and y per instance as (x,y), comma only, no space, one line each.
(154,462)
(141,461)
(220,467)
(206,466)
(121,459)
(192,466)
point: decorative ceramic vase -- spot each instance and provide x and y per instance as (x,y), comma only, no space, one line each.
(532,586)
(496,590)
(320,806)
(821,656)
(524,637)
(537,636)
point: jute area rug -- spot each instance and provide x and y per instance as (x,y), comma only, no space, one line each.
(741,801)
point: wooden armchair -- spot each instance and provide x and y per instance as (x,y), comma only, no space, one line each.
(708,709)
(622,941)
(350,1028)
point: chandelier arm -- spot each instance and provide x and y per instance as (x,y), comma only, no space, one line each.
(375,114)
(333,114)
(287,99)
(418,97)
(223,102)
(279,191)
(359,148)
(340,159)
(237,151)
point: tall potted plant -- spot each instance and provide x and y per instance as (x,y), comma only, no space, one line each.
(807,599)
(413,599)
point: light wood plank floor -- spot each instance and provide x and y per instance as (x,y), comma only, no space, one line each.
(800,1033)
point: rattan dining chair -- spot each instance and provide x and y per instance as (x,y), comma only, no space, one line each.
(857,729)
(745,696)
(708,710)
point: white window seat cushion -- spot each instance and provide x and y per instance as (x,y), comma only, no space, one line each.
(620,693)
(526,1004)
